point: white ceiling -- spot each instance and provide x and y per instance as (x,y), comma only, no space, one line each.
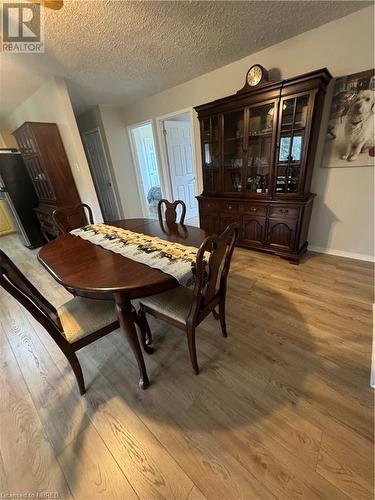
(114,52)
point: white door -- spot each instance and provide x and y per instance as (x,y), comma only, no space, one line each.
(100,173)
(180,158)
(145,160)
(151,164)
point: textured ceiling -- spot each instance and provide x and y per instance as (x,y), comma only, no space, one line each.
(114,52)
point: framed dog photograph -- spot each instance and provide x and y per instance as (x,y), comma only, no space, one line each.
(350,139)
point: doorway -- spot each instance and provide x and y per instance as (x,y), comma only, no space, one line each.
(178,152)
(99,168)
(147,171)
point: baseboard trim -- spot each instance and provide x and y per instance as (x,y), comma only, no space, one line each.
(341,253)
(372,377)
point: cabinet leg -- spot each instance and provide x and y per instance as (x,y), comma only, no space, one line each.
(293,261)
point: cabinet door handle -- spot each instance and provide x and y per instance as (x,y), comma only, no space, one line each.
(230,207)
(253,209)
(283,210)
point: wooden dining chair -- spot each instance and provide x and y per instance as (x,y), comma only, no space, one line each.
(68,218)
(186,308)
(170,211)
(74,325)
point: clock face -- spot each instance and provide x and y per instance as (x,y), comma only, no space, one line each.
(254,75)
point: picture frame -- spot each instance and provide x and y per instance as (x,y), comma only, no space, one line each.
(350,137)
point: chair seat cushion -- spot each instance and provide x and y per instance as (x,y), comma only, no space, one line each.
(80,316)
(175,303)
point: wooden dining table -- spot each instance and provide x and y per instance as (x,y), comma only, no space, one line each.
(93,271)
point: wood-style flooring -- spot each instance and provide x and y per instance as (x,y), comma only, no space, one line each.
(282,407)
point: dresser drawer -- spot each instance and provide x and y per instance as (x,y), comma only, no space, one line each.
(284,212)
(229,206)
(248,208)
(208,204)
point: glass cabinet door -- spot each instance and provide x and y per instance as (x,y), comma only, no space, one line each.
(259,148)
(293,122)
(233,149)
(211,154)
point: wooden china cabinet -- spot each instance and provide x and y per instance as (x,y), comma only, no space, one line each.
(44,155)
(258,152)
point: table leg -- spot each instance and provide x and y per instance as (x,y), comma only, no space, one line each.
(126,320)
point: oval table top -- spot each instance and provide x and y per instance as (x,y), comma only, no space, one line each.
(79,264)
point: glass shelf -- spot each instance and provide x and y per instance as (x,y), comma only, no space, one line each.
(233,151)
(294,112)
(287,178)
(211,150)
(291,143)
(256,136)
(259,149)
(233,139)
(291,130)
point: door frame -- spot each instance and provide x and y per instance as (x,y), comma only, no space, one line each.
(113,182)
(164,152)
(137,166)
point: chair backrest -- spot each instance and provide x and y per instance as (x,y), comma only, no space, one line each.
(68,218)
(14,282)
(171,211)
(212,266)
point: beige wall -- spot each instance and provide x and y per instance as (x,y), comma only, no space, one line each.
(342,220)
(51,103)
(7,140)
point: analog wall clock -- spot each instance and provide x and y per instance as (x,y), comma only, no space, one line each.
(256,75)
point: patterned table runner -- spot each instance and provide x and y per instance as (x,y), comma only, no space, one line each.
(172,258)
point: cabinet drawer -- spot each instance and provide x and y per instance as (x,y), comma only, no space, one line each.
(254,209)
(208,204)
(284,212)
(229,206)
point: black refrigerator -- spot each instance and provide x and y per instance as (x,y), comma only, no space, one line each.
(18,192)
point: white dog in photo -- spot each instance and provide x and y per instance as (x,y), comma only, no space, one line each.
(359,127)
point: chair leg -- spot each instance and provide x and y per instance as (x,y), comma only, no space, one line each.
(192,349)
(215,314)
(222,318)
(76,367)
(146,336)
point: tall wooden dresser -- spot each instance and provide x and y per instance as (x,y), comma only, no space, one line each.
(44,155)
(258,152)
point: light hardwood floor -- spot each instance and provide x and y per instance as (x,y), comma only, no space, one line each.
(282,407)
